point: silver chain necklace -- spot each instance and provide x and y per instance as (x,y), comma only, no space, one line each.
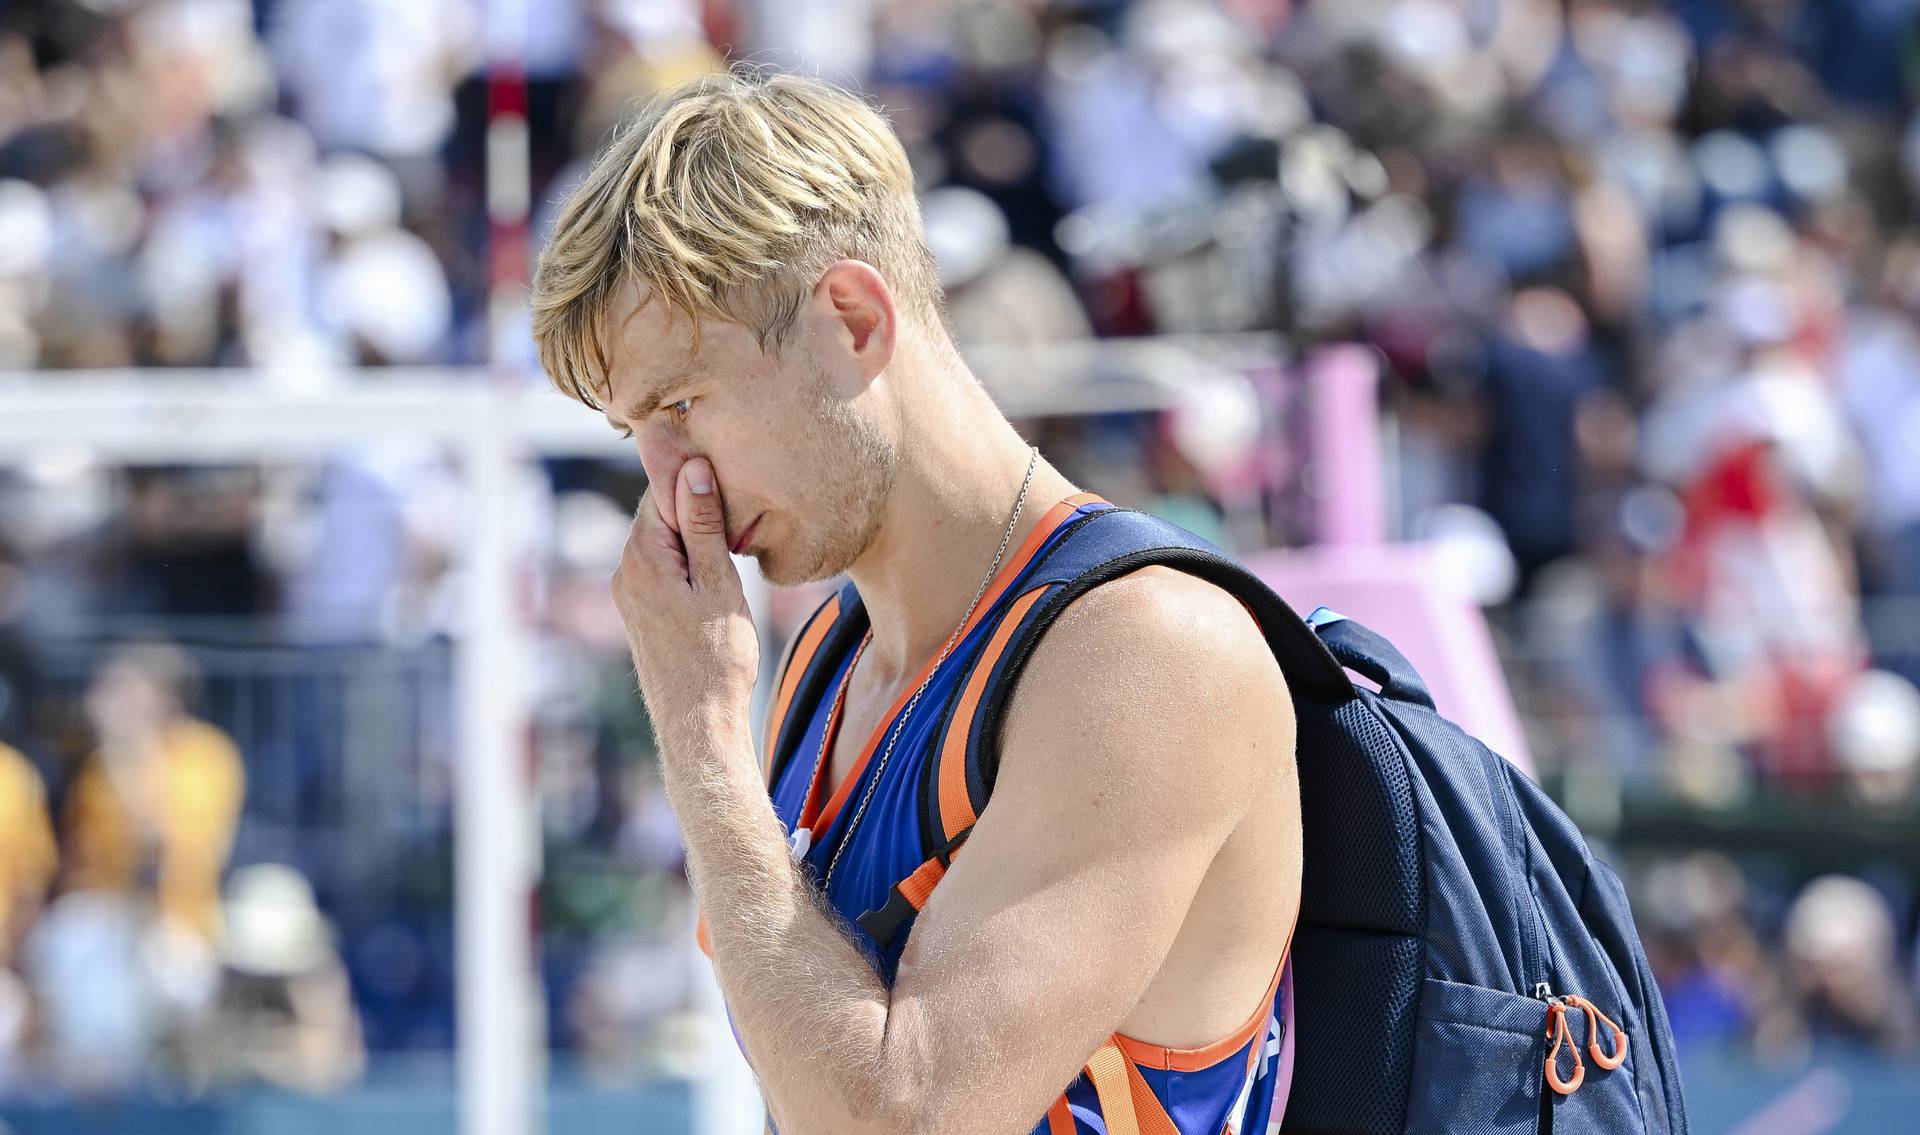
(802,837)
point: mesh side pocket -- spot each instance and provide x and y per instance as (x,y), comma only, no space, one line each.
(1353,1059)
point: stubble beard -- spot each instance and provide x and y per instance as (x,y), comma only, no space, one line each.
(855,466)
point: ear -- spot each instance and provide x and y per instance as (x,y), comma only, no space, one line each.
(856,323)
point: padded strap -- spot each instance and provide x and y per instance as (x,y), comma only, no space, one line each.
(959,795)
(786,678)
(817,652)
(1095,549)
(1118,542)
(1365,651)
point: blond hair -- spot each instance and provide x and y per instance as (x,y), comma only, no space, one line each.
(727,196)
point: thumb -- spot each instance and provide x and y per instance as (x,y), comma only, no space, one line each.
(703,521)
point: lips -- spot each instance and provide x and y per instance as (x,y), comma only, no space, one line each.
(740,541)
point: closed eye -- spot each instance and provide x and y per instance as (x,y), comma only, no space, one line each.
(679,410)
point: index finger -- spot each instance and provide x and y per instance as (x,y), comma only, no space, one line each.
(653,529)
(662,505)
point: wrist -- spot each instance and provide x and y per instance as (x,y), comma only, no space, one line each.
(706,731)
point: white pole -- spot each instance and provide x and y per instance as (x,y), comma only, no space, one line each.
(501,1037)
(493,833)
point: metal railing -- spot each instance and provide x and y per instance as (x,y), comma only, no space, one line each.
(348,748)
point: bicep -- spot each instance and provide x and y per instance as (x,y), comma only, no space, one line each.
(1126,762)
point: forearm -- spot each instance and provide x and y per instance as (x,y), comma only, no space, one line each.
(809,1008)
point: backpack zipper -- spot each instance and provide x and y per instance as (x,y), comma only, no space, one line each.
(1532,930)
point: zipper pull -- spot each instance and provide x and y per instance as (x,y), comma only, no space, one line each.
(1595,1019)
(1559,1033)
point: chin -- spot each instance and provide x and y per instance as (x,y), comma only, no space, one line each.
(783,570)
(779,574)
(772,568)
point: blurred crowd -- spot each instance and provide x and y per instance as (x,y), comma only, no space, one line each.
(1642,279)
(123,966)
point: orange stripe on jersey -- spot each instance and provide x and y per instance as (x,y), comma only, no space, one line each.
(810,804)
(956,804)
(1060,1118)
(803,651)
(1055,516)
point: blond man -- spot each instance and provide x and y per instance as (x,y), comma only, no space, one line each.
(741,284)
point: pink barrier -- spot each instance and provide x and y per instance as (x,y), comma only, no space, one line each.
(1415,597)
(1408,592)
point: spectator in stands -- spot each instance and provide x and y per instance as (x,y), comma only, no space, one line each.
(285,1011)
(154,810)
(184,543)
(28,858)
(1879,373)
(1874,731)
(1703,949)
(1844,989)
(100,1024)
(997,292)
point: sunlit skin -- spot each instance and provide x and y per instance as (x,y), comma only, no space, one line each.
(1138,869)
(805,471)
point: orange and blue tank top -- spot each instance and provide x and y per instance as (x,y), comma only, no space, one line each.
(1236,1085)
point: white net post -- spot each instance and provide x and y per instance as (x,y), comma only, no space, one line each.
(496,815)
(500,1020)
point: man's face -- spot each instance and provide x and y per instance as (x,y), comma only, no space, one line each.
(803,468)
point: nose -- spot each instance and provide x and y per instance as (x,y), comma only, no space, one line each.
(661,456)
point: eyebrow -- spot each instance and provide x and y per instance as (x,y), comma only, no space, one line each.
(650,402)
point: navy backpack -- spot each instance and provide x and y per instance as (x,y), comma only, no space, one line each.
(1462,963)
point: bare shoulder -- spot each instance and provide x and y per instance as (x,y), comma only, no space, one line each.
(1161,625)
(1152,669)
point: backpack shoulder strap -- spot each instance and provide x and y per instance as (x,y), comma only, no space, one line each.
(802,678)
(1121,542)
(1103,546)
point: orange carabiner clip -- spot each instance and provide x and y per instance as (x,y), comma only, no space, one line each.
(1558,1032)
(1595,1018)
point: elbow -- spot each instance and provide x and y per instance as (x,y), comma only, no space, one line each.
(915,1086)
(898,1114)
(895,1102)
(866,1097)
(903,1092)
(907,1106)
(924,1118)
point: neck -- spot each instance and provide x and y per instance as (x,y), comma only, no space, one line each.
(961,466)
